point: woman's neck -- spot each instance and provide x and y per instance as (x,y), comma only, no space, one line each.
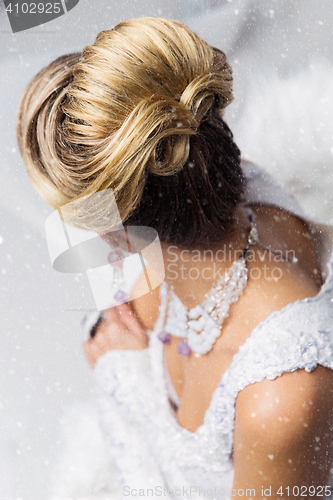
(190,273)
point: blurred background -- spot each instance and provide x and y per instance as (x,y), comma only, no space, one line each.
(282,53)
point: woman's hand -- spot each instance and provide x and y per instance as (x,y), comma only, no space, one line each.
(120,330)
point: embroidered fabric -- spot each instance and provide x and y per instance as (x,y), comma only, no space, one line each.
(148,446)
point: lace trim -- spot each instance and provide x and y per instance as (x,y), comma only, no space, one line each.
(118,371)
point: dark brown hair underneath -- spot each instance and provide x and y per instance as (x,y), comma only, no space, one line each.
(195,206)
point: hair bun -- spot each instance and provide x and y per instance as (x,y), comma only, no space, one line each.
(128,104)
(40,114)
(211,88)
(214,84)
(174,124)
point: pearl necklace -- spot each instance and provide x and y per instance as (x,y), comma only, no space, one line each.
(202,324)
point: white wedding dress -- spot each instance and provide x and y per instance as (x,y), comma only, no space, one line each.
(147,447)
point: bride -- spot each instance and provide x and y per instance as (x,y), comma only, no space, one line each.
(218,383)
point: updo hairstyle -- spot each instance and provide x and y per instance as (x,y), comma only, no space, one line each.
(139,111)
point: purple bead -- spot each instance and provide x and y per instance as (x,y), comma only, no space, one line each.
(183,348)
(121,296)
(164,337)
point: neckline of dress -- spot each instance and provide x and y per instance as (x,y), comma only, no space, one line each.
(249,339)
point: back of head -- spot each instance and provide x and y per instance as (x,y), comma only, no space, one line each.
(139,111)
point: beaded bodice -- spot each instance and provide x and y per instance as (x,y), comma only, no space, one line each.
(147,445)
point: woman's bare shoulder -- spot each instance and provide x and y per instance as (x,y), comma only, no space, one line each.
(284,430)
(277,225)
(291,398)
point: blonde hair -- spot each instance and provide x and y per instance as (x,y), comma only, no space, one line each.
(127,106)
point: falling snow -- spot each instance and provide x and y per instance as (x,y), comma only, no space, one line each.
(281,118)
